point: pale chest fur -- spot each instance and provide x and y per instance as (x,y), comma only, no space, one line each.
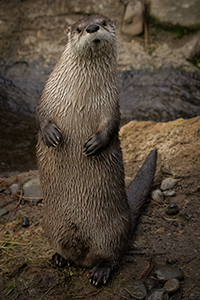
(78,93)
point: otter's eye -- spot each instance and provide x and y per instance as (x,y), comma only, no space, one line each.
(79,30)
(103,23)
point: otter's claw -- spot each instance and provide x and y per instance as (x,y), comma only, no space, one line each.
(60,261)
(99,274)
(94,145)
(51,135)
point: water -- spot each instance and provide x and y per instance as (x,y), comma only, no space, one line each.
(17,143)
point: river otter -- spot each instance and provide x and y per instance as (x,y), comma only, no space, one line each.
(88,218)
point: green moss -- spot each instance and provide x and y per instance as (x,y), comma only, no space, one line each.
(180,31)
(196,60)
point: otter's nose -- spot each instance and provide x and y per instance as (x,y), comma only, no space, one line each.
(92,28)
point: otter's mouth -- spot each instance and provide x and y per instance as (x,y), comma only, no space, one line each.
(96,41)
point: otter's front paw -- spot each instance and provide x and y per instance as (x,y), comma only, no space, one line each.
(51,135)
(99,274)
(94,145)
(60,261)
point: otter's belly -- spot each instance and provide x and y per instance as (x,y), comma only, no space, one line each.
(86,213)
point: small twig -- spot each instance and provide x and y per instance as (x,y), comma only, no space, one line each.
(145,35)
(188,291)
(145,27)
(18,194)
(115,294)
(177,296)
(48,291)
(147,270)
(147,217)
(7,182)
(87,295)
(154,202)
(189,261)
(12,242)
(30,198)
(7,203)
(18,203)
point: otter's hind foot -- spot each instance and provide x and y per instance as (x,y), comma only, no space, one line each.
(60,261)
(100,274)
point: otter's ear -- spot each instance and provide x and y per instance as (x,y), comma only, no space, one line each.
(68,31)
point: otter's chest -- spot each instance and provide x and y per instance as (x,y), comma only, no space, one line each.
(80,117)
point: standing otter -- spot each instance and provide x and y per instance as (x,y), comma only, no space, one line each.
(87,217)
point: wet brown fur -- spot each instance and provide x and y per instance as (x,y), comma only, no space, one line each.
(87,217)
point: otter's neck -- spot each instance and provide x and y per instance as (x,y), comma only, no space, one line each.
(88,82)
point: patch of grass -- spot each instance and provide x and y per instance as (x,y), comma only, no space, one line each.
(10,287)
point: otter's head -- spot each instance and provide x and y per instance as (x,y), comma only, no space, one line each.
(93,36)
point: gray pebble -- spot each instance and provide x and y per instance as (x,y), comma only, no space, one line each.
(157,196)
(172,209)
(136,290)
(167,272)
(168,184)
(14,188)
(171,261)
(169,193)
(3,211)
(25,222)
(7,192)
(172,285)
(158,294)
(32,188)
(150,283)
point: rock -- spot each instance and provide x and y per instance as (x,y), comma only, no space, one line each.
(3,211)
(26,176)
(136,290)
(14,188)
(133,18)
(158,294)
(177,143)
(172,285)
(183,13)
(168,184)
(157,196)
(25,222)
(171,261)
(150,283)
(172,209)
(165,273)
(169,193)
(7,191)
(175,95)
(33,189)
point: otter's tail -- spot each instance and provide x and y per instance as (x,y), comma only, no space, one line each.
(140,188)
